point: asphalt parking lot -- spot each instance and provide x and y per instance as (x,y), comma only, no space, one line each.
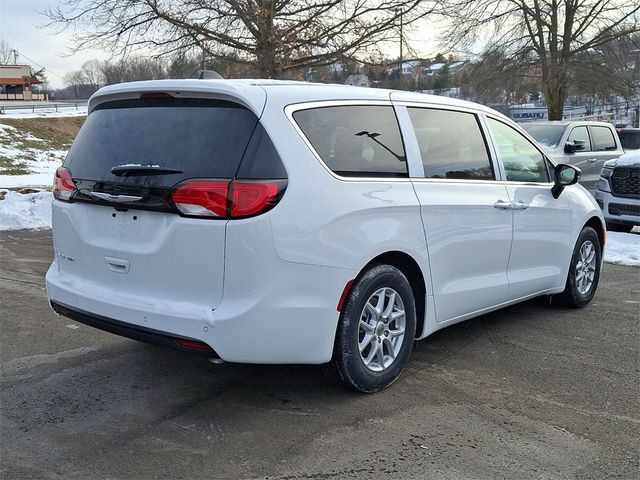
(535,391)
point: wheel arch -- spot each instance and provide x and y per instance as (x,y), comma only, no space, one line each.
(412,270)
(596,223)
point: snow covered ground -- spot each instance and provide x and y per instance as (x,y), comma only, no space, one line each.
(63,111)
(31,161)
(25,211)
(622,248)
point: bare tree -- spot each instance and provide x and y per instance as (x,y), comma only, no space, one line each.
(545,38)
(131,69)
(274,35)
(92,74)
(6,52)
(496,78)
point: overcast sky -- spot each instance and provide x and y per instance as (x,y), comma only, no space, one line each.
(41,47)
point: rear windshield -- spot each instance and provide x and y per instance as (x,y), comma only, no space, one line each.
(630,139)
(546,135)
(200,138)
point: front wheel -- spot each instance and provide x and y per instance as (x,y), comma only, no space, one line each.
(584,271)
(376,330)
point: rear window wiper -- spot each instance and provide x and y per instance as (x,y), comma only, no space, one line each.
(131,170)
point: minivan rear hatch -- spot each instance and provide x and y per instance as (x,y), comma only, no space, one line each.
(119,227)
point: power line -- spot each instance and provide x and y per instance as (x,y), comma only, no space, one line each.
(41,66)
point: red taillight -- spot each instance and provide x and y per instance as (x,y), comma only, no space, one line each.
(202,198)
(250,198)
(192,344)
(63,186)
(226,199)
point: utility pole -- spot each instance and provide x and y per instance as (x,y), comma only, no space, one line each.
(400,77)
(15,56)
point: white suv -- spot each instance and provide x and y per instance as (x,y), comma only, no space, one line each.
(284,222)
(618,192)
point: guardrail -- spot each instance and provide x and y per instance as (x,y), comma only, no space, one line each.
(43,106)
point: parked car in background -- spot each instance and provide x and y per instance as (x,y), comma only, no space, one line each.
(586,145)
(283,222)
(629,138)
(618,192)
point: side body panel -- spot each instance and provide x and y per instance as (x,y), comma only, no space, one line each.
(542,243)
(333,221)
(469,242)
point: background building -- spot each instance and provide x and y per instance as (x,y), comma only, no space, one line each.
(17,83)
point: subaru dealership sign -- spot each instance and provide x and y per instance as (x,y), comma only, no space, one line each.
(529,114)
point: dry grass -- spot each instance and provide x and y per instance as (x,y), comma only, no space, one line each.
(57,132)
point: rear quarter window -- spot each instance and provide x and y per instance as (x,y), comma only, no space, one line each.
(356,140)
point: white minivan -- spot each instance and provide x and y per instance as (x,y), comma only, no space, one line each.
(262,221)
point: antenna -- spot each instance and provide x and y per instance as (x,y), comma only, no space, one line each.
(208,74)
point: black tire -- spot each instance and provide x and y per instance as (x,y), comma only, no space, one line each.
(619,227)
(347,363)
(572,297)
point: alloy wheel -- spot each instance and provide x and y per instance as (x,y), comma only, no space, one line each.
(381,330)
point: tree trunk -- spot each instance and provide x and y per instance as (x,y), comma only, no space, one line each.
(266,64)
(555,105)
(554,80)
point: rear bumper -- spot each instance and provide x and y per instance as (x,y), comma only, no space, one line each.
(289,318)
(135,332)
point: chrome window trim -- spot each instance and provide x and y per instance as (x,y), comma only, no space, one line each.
(479,182)
(438,106)
(289,110)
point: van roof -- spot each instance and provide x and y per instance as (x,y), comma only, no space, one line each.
(252,93)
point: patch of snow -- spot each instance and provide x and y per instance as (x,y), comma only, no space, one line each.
(41,164)
(630,159)
(30,180)
(63,111)
(28,211)
(622,248)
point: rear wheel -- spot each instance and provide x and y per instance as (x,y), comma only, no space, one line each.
(376,330)
(584,271)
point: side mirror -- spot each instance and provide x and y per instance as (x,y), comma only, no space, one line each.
(563,176)
(573,147)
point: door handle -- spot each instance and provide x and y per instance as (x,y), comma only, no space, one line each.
(501,204)
(519,206)
(118,265)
